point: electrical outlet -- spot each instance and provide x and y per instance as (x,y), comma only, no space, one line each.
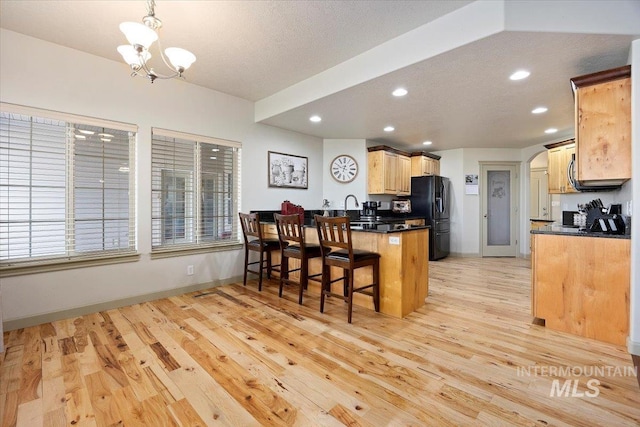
(189,270)
(394,240)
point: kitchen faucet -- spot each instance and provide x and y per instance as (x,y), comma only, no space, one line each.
(345,202)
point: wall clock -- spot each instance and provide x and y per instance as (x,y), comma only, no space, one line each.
(344,168)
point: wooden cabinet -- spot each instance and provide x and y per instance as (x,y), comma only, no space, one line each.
(603,126)
(388,171)
(581,285)
(403,180)
(559,158)
(422,165)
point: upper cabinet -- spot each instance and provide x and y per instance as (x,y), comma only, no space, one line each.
(603,127)
(560,155)
(388,171)
(423,164)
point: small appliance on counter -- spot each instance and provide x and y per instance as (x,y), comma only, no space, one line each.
(401,206)
(370,210)
(288,208)
(609,224)
(595,218)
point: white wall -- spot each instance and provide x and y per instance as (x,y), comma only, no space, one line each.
(540,161)
(465,217)
(44,75)
(335,191)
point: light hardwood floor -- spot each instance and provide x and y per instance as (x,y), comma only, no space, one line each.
(233,356)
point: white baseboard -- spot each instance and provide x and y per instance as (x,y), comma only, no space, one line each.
(633,347)
(26,322)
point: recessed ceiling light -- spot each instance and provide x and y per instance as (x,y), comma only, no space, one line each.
(539,110)
(213,158)
(215,149)
(400,92)
(86,132)
(105,139)
(519,75)
(389,129)
(80,136)
(427,143)
(551,130)
(315,119)
(106,135)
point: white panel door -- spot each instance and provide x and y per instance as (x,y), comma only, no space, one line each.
(499,209)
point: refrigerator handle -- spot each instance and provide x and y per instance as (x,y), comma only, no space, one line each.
(444,196)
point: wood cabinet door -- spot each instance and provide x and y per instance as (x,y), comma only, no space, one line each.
(555,168)
(603,130)
(435,166)
(390,172)
(403,183)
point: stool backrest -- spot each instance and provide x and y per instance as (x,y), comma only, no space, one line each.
(333,232)
(289,229)
(250,226)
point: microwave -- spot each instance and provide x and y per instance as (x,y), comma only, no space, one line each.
(401,206)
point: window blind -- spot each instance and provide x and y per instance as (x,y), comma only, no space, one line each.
(195,191)
(66,189)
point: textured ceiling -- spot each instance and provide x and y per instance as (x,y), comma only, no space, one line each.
(248,49)
(460,97)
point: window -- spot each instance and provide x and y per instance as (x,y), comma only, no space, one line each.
(66,187)
(194,191)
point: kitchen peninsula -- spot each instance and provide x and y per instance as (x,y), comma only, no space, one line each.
(580,282)
(404,265)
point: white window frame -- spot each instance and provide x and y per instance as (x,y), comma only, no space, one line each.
(70,258)
(195,240)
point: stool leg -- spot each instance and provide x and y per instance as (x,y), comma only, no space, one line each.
(345,284)
(376,288)
(284,272)
(304,276)
(350,297)
(260,271)
(326,271)
(268,264)
(246,265)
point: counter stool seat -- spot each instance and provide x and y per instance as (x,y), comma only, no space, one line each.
(334,235)
(256,242)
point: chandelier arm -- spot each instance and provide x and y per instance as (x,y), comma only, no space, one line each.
(164,59)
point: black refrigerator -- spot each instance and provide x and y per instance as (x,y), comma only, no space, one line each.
(430,198)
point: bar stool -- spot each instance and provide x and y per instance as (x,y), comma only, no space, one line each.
(253,241)
(334,235)
(293,245)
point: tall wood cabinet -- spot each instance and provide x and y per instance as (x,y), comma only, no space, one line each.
(559,157)
(603,126)
(388,171)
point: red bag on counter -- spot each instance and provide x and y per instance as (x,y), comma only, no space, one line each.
(288,208)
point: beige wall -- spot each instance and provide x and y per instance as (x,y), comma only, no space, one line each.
(44,75)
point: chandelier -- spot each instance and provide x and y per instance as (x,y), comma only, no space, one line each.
(137,55)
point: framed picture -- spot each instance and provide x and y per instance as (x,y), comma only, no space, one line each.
(287,170)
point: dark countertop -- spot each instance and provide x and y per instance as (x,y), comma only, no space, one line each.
(384,223)
(388,228)
(369,227)
(541,220)
(579,232)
